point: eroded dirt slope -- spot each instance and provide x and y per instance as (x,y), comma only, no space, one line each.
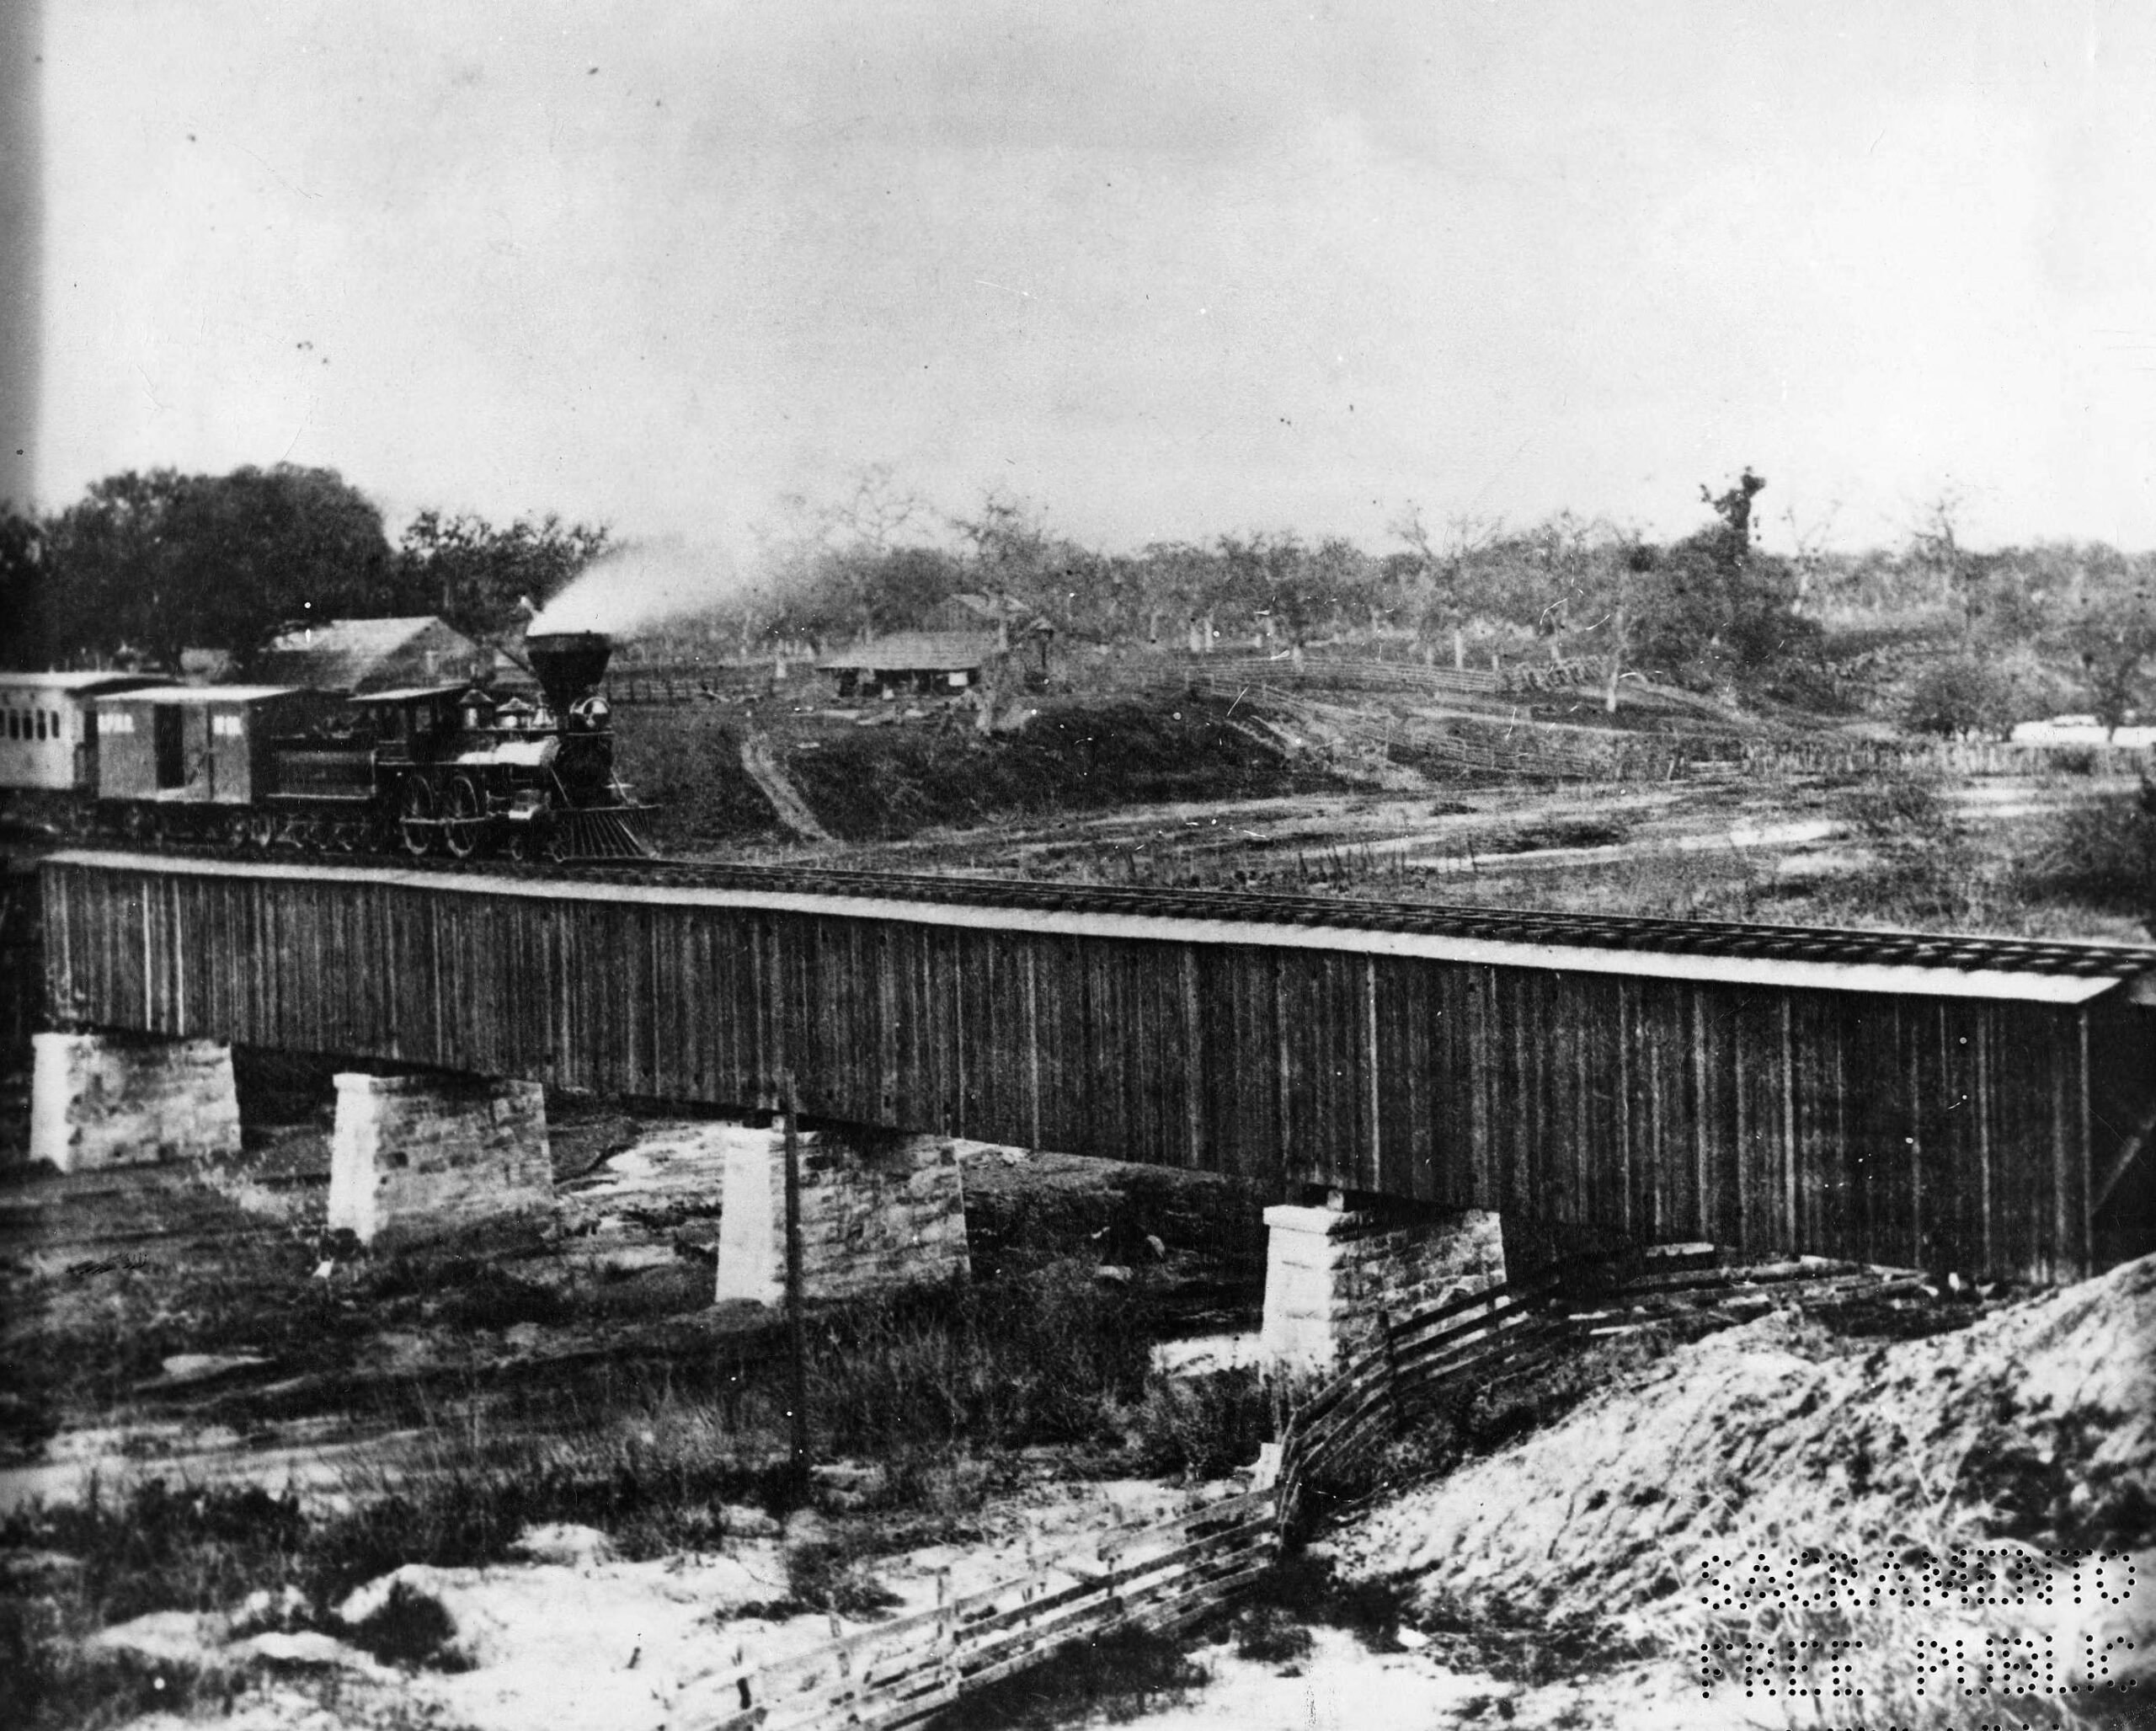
(2035,1423)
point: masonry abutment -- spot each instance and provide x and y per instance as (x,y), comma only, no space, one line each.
(1334,1270)
(879,1209)
(415,1157)
(124,1099)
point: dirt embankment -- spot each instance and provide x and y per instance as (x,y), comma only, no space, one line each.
(2036,1422)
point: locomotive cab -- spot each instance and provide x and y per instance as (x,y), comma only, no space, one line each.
(413,726)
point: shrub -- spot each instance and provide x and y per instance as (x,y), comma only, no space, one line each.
(1308,1587)
(1271,1634)
(1960,697)
(823,1574)
(409,1628)
(1202,1426)
(2103,851)
(1052,1360)
(686,762)
(1118,1676)
(1899,805)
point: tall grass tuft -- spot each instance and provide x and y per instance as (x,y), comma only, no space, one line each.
(1202,1428)
(1053,1359)
(2103,851)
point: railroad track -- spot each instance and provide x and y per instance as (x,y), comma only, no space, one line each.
(1637,933)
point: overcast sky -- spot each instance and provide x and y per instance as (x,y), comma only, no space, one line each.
(1167,270)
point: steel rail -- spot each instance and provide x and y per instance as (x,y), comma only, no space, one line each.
(1733,939)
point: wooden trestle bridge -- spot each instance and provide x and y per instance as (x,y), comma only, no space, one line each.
(1976,1104)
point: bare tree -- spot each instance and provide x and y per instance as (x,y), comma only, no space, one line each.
(876,510)
(1809,537)
(1441,560)
(1936,547)
(1636,560)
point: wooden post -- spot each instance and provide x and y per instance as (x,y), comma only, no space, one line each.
(796,1333)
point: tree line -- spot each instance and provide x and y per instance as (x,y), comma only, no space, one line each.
(151,563)
(145,565)
(880,561)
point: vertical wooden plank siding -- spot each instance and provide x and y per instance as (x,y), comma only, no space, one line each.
(2121,1068)
(1893,1128)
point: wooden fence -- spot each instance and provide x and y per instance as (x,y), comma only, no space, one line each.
(1482,730)
(689,682)
(1171,1575)
(1483,734)
(1494,742)
(1981,757)
(1162,1577)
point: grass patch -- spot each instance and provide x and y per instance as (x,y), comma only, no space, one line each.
(410,1629)
(1119,1677)
(1053,1358)
(48,1683)
(1309,1589)
(2102,851)
(1202,1426)
(889,782)
(1571,832)
(925,1387)
(831,1575)
(1303,1591)
(685,761)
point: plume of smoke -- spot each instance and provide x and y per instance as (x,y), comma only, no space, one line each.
(643,585)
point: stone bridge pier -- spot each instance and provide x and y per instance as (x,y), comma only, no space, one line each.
(122,1099)
(417,1155)
(1338,1264)
(879,1209)
(422,1155)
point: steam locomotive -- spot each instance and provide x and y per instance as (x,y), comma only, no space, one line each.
(457,769)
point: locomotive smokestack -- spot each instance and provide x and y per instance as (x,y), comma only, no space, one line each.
(569,665)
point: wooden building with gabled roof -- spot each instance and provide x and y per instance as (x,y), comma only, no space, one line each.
(358,656)
(927,663)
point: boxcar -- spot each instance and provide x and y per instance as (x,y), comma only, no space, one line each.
(197,745)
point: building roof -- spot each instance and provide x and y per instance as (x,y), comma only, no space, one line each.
(348,655)
(204,667)
(79,684)
(976,607)
(201,694)
(915,652)
(413,693)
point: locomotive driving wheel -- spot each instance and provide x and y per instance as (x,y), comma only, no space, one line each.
(415,814)
(465,824)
